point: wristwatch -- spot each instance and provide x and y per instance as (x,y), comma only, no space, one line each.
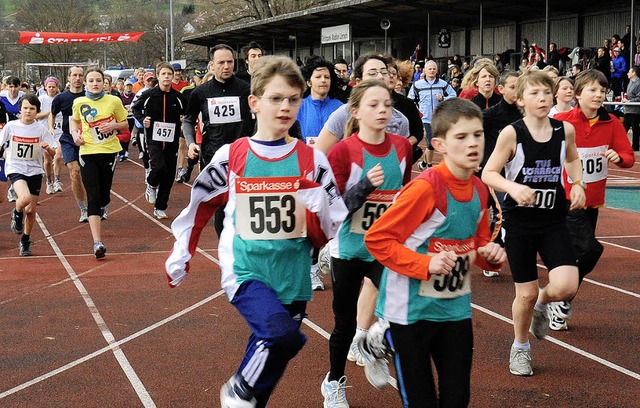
(580,183)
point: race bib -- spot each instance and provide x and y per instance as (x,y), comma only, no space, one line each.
(376,204)
(163,132)
(95,133)
(224,109)
(458,282)
(268,209)
(545,199)
(25,148)
(57,124)
(594,164)
(311,140)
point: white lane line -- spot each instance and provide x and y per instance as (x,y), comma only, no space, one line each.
(604,285)
(137,385)
(567,346)
(618,236)
(621,246)
(168,229)
(110,346)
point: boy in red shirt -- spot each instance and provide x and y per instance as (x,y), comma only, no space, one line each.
(601,140)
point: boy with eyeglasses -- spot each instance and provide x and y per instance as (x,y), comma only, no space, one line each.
(264,259)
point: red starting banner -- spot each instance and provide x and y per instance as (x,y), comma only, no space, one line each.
(38,37)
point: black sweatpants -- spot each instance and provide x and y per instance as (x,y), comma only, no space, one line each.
(163,158)
(97,176)
(450,346)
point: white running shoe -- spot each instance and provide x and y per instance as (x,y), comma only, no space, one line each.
(561,309)
(99,250)
(57,186)
(150,194)
(334,392)
(12,197)
(50,188)
(104,212)
(520,362)
(160,214)
(229,398)
(324,260)
(354,353)
(539,324)
(490,274)
(84,215)
(374,353)
(558,323)
(316,282)
(559,313)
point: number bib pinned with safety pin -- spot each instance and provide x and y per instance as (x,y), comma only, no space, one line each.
(25,148)
(458,282)
(268,209)
(95,133)
(376,204)
(224,109)
(163,132)
(594,164)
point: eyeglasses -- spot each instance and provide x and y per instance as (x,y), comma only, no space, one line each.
(277,100)
(375,72)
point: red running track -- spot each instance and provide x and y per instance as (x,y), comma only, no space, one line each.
(77,332)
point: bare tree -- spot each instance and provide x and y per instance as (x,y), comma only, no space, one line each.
(235,11)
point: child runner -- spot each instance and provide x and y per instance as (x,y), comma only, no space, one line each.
(427,241)
(601,140)
(533,152)
(370,167)
(97,117)
(563,93)
(281,201)
(25,141)
(160,110)
(494,119)
(52,165)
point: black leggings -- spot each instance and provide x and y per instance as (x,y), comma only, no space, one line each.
(97,176)
(632,120)
(450,346)
(346,277)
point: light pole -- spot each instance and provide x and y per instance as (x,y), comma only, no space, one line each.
(171,27)
(159,29)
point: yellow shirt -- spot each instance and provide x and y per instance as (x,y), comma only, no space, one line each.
(91,113)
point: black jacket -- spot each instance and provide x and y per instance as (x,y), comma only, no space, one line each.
(495,119)
(160,106)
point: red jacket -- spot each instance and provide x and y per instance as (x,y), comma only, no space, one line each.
(606,133)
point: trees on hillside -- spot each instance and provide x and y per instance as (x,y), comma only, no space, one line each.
(150,16)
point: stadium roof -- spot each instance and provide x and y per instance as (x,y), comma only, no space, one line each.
(406,16)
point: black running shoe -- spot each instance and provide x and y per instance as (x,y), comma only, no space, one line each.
(17,226)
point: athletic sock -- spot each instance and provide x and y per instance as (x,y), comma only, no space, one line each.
(525,346)
(25,238)
(539,306)
(82,205)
